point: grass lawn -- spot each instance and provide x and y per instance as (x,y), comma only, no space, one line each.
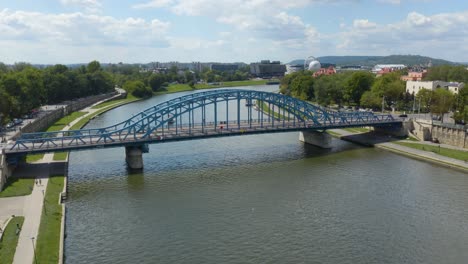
(62,122)
(10,240)
(34,157)
(17,187)
(130,98)
(451,153)
(174,88)
(48,239)
(356,129)
(60,156)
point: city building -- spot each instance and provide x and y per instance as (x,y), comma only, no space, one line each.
(414,76)
(413,87)
(294,68)
(454,87)
(386,68)
(325,71)
(267,69)
(224,67)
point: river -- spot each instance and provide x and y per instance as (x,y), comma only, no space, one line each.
(261,199)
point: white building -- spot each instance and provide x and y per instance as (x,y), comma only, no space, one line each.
(293,68)
(416,86)
(455,87)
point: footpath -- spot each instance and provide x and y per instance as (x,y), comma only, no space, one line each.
(383,142)
(31,206)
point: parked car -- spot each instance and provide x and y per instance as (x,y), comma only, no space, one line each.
(10,125)
(18,121)
(403,115)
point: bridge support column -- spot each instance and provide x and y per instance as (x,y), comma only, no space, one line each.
(319,139)
(134,157)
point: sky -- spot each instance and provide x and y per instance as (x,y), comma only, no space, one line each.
(141,31)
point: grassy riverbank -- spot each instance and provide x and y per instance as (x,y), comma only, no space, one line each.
(130,98)
(48,239)
(10,240)
(446,152)
(175,88)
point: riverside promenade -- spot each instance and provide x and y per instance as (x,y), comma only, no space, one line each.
(384,143)
(31,206)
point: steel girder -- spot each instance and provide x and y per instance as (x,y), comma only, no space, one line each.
(141,125)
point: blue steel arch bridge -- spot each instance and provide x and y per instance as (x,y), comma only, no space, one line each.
(202,115)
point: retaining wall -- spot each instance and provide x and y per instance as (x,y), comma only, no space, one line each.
(5,171)
(43,122)
(451,136)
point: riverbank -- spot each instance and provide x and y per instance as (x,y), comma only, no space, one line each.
(175,88)
(395,145)
(44,218)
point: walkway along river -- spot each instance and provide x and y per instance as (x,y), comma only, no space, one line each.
(262,198)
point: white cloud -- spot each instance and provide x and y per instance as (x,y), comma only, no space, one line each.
(417,34)
(88,5)
(417,19)
(80,29)
(363,24)
(154,4)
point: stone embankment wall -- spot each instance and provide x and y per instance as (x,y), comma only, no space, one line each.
(51,116)
(427,130)
(5,171)
(422,129)
(451,135)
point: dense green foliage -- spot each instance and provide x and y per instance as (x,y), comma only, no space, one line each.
(23,87)
(363,89)
(448,73)
(10,240)
(438,102)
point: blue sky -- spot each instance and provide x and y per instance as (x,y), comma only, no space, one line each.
(73,31)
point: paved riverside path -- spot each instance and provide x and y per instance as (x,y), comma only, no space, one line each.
(415,153)
(32,211)
(30,206)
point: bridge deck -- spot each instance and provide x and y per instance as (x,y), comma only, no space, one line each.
(171,133)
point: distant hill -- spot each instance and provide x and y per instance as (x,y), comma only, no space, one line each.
(409,60)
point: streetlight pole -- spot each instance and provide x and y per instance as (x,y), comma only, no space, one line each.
(34,250)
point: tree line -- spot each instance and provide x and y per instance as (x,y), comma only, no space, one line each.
(24,87)
(142,83)
(364,89)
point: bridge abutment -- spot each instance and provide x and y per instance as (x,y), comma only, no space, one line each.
(134,157)
(319,139)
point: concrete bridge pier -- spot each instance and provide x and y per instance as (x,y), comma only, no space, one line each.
(319,139)
(5,171)
(134,157)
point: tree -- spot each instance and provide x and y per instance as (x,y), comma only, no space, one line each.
(156,81)
(389,86)
(137,88)
(328,89)
(442,102)
(424,97)
(356,85)
(371,100)
(93,67)
(302,87)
